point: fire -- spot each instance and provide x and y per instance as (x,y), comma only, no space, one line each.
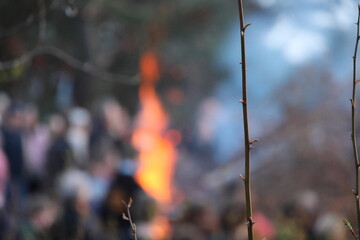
(155,143)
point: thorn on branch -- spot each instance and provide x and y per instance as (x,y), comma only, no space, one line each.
(352,103)
(246,26)
(250,222)
(254,141)
(355,194)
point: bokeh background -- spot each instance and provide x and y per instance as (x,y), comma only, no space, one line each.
(103,100)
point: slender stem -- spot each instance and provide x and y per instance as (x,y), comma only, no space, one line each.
(246,179)
(128,217)
(133,227)
(353,128)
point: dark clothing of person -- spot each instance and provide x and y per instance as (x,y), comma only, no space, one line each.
(74,227)
(59,158)
(123,188)
(12,146)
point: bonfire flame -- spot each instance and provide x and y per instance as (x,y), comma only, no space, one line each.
(157,152)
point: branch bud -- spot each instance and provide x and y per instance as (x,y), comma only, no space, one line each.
(242,177)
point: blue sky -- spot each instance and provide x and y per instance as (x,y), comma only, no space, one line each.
(284,37)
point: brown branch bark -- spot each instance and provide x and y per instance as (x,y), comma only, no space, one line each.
(248,143)
(353,128)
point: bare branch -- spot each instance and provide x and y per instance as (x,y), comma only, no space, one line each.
(353,130)
(11,31)
(70,60)
(128,217)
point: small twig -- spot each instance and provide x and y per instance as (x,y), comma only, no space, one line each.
(353,130)
(70,60)
(348,225)
(42,21)
(128,216)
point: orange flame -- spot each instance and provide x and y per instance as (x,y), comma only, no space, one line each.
(157,152)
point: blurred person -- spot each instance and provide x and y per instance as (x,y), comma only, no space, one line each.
(76,220)
(4,104)
(112,126)
(232,216)
(205,219)
(263,228)
(65,84)
(12,142)
(36,143)
(102,169)
(116,119)
(289,225)
(78,134)
(13,149)
(59,156)
(4,175)
(122,188)
(307,211)
(41,215)
(329,226)
(187,232)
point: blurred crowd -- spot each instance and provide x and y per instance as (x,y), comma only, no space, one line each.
(66,177)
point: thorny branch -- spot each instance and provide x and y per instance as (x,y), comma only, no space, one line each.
(353,129)
(128,217)
(248,143)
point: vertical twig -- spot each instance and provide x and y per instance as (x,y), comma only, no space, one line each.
(353,128)
(128,217)
(42,20)
(248,143)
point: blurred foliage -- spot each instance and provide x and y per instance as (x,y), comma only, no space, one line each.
(112,36)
